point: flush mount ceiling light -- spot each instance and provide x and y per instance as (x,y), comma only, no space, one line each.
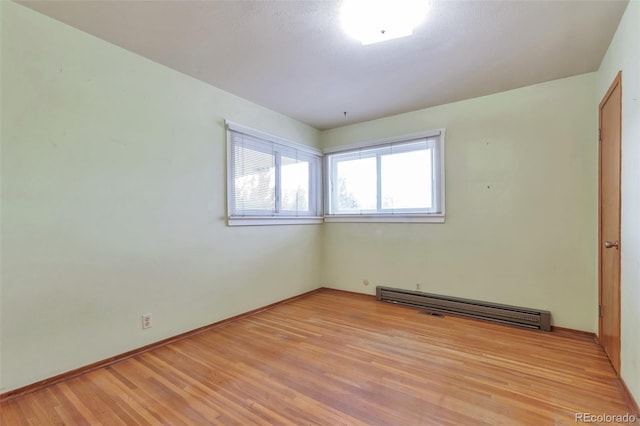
(373,21)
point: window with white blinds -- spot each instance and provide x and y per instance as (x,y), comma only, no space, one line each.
(271,180)
(397,180)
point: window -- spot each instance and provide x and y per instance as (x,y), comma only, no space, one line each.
(396,180)
(271,180)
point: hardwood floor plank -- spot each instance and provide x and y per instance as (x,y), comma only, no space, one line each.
(14,414)
(334,358)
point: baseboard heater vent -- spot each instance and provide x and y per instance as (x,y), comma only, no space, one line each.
(505,314)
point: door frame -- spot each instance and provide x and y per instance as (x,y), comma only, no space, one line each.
(617,82)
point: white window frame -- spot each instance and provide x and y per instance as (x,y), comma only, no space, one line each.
(265,142)
(401,215)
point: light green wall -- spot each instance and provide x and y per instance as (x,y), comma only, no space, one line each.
(113,203)
(624,54)
(521,200)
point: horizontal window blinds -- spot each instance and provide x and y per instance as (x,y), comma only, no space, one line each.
(272,179)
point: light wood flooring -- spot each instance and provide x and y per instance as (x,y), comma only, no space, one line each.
(335,358)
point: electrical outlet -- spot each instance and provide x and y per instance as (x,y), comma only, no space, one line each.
(418,285)
(146,321)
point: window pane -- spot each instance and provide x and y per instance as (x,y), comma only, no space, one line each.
(254,180)
(295,185)
(406,180)
(356,184)
(399,180)
(271,180)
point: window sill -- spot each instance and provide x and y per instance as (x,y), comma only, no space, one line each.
(396,218)
(273,220)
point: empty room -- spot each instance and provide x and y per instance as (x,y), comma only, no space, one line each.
(320,212)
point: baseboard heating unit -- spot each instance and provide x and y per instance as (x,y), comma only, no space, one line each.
(504,314)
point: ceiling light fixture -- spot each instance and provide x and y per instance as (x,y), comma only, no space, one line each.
(373,21)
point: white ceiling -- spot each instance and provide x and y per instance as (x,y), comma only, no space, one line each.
(293,57)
